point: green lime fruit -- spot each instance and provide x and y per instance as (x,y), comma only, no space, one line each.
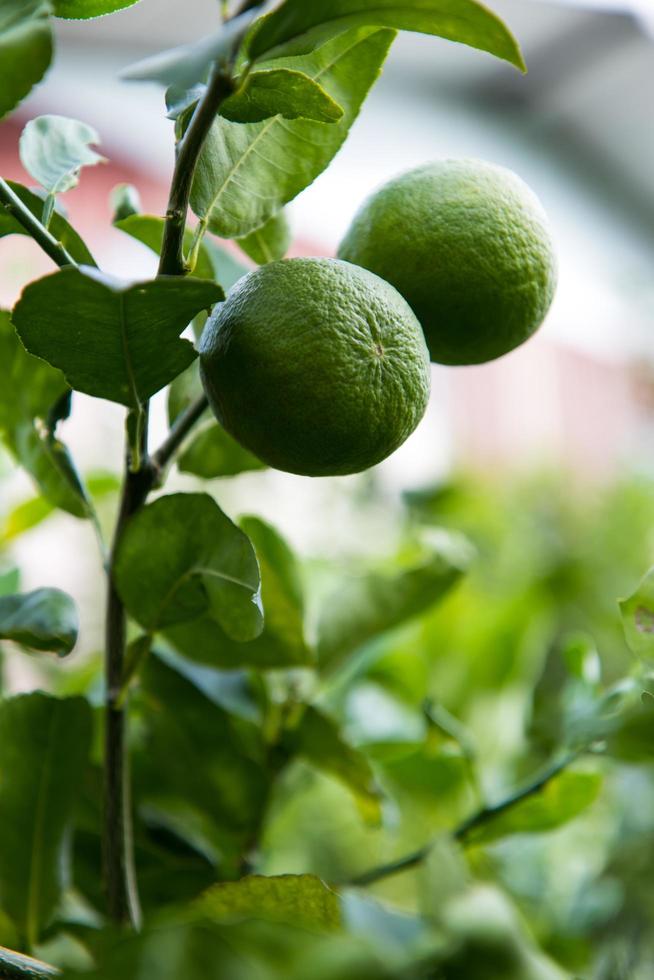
(316,366)
(468,246)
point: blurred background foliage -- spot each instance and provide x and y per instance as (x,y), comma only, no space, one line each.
(522,663)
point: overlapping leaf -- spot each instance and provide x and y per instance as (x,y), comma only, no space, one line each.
(30,388)
(112,340)
(296,900)
(297,27)
(181,557)
(44,743)
(213,454)
(25,48)
(280,91)
(270,242)
(59,226)
(248,171)
(282,642)
(83,9)
(44,620)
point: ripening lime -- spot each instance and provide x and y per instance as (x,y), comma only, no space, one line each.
(316,366)
(468,246)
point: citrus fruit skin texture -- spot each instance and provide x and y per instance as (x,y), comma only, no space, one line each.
(316,366)
(468,246)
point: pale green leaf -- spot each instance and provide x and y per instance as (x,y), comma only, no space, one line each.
(280,91)
(248,171)
(53,150)
(112,340)
(25,49)
(124,202)
(181,557)
(559,801)
(372,604)
(297,27)
(270,242)
(638,618)
(44,620)
(303,901)
(82,9)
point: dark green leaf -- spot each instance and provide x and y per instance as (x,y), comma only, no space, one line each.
(44,743)
(149,230)
(59,226)
(280,91)
(282,642)
(181,557)
(227,267)
(318,739)
(297,27)
(213,453)
(270,242)
(82,9)
(561,800)
(43,620)
(30,388)
(638,618)
(378,602)
(248,171)
(112,340)
(199,768)
(53,150)
(297,900)
(25,49)
(183,392)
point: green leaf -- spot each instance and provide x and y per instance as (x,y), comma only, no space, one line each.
(270,242)
(638,618)
(248,171)
(53,150)
(296,27)
(44,744)
(186,66)
(318,739)
(561,800)
(29,390)
(44,620)
(375,603)
(149,230)
(198,766)
(181,557)
(59,226)
(124,202)
(30,513)
(213,453)
(25,49)
(280,91)
(303,901)
(82,9)
(112,340)
(282,642)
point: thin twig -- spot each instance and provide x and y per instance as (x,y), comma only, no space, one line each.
(15,966)
(465,829)
(178,433)
(34,228)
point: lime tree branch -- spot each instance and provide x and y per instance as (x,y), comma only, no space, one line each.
(462,833)
(15,966)
(172,261)
(139,481)
(181,428)
(33,226)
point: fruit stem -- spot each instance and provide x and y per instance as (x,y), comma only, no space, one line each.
(34,228)
(180,429)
